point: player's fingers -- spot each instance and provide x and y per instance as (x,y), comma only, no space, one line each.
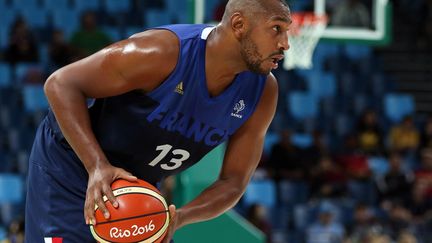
(122,174)
(89,210)
(100,203)
(172,212)
(110,195)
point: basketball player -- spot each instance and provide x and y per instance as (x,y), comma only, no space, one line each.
(159,102)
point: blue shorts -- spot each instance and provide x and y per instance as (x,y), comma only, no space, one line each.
(55,192)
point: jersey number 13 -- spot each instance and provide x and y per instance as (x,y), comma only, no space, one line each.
(178,156)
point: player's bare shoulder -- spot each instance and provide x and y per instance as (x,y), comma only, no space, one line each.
(148,56)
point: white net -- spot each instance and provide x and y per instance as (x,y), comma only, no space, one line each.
(306,30)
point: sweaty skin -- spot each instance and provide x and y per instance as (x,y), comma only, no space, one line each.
(143,62)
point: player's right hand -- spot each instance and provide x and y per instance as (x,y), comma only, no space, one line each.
(99,185)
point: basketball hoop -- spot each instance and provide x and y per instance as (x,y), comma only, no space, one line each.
(305,32)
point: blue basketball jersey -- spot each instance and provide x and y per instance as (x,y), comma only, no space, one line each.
(169,129)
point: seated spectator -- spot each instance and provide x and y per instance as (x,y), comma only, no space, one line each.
(60,52)
(325,229)
(419,205)
(16,232)
(365,225)
(404,137)
(257,215)
(369,134)
(22,46)
(89,38)
(313,154)
(352,159)
(400,220)
(423,176)
(328,180)
(396,184)
(352,13)
(406,237)
(285,161)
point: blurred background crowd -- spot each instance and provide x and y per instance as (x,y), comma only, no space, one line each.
(348,157)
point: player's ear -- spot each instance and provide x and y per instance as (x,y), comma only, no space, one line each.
(238,25)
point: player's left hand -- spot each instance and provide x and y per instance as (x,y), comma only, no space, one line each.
(174,223)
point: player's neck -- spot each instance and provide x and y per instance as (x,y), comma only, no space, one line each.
(223,53)
(222,61)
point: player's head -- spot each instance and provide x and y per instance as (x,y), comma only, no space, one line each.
(261,28)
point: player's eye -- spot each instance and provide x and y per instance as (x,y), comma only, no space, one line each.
(277,28)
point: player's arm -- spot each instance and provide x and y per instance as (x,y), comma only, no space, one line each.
(138,63)
(241,159)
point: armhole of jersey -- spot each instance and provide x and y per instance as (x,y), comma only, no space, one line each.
(168,82)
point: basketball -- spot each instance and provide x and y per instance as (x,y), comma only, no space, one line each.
(142,214)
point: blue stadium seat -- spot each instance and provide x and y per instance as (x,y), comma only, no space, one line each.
(322,84)
(357,52)
(396,106)
(88,4)
(5,75)
(156,17)
(293,192)
(362,191)
(18,4)
(114,33)
(302,140)
(22,68)
(302,105)
(11,188)
(34,98)
(133,30)
(36,17)
(262,192)
(55,5)
(66,20)
(270,139)
(378,165)
(115,6)
(175,6)
(3,233)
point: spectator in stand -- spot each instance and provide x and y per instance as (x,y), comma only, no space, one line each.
(325,229)
(328,179)
(22,45)
(406,237)
(352,13)
(352,159)
(405,137)
(313,154)
(369,134)
(285,161)
(16,232)
(423,176)
(366,225)
(257,215)
(89,38)
(399,220)
(60,52)
(396,184)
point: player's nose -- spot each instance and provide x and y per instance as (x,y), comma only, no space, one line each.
(283,43)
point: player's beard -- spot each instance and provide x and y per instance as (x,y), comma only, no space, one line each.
(251,56)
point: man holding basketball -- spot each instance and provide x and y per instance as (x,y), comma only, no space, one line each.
(153,105)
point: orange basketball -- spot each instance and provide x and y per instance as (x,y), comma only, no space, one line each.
(142,214)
